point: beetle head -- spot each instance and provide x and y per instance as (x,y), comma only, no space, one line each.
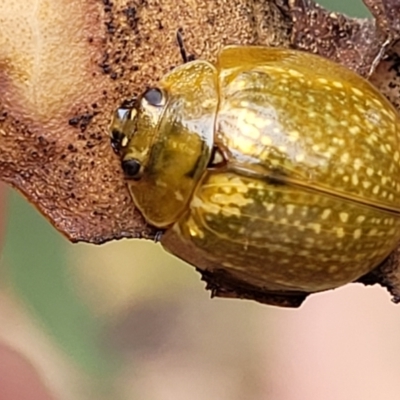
(136,121)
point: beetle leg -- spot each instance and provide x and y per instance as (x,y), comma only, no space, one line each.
(158,236)
(380,56)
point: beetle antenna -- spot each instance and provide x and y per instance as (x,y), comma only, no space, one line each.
(181,45)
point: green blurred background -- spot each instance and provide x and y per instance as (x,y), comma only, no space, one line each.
(125,320)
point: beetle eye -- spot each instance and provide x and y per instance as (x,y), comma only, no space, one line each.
(154,97)
(132,168)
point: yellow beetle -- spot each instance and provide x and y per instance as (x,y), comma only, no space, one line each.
(279,166)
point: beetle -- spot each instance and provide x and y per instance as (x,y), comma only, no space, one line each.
(276,165)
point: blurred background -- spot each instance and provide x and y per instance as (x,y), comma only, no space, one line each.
(128,321)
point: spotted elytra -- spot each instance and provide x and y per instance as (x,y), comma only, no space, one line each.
(278,166)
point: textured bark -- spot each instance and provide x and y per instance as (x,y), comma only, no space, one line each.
(65,65)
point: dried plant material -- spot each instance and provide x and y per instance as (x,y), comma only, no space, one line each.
(65,65)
